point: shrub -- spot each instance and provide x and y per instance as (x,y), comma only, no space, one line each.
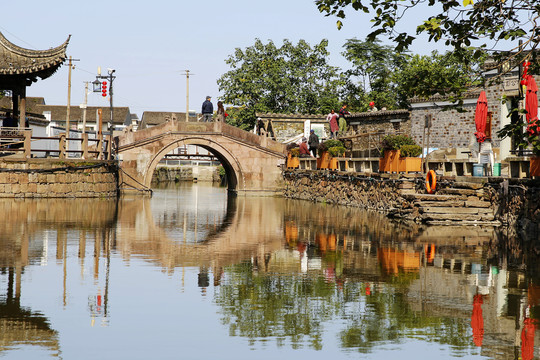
(292,145)
(398,142)
(411,150)
(221,171)
(336,150)
(325,146)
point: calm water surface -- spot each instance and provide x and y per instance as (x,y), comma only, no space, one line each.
(193,274)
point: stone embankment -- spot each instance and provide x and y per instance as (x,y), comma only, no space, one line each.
(490,201)
(185,173)
(53,178)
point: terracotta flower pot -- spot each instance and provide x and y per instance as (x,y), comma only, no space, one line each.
(535,166)
(293,162)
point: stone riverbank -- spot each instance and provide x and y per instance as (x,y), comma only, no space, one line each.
(53,178)
(492,201)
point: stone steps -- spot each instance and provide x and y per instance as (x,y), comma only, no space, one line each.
(461,205)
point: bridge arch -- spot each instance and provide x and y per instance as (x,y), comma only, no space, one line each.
(233,168)
(252,163)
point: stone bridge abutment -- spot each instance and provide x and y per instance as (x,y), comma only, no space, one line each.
(252,163)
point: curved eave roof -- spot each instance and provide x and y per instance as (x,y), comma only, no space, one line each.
(19,62)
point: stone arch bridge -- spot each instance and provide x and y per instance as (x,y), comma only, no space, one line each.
(252,163)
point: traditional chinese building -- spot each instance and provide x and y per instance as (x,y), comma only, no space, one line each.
(21,67)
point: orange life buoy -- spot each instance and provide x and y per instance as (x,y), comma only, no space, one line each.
(431,181)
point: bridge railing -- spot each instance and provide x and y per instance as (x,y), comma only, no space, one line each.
(130,139)
(19,143)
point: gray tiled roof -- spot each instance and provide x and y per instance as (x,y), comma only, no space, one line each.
(19,62)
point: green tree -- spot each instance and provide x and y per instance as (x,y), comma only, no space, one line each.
(445,74)
(287,79)
(458,24)
(373,66)
(390,78)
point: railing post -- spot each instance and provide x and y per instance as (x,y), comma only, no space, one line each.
(109,146)
(27,143)
(62,146)
(84,145)
(100,147)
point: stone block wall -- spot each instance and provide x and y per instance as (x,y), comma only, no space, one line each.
(185,173)
(453,129)
(449,129)
(53,178)
(515,203)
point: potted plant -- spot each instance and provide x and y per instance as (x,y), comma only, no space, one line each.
(328,152)
(400,154)
(525,138)
(293,151)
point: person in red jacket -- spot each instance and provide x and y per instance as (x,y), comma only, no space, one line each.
(304,151)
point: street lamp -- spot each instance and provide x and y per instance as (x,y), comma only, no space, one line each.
(101,86)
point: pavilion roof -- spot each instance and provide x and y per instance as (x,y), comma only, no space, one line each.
(20,63)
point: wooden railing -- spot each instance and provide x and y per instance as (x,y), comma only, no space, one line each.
(19,143)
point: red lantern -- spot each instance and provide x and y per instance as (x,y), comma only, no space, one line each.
(372,104)
(104,89)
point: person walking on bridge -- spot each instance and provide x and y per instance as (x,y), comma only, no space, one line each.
(207,110)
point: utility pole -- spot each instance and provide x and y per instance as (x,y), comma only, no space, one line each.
(85,105)
(70,67)
(187,95)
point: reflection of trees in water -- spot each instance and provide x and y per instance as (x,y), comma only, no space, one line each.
(285,307)
(374,303)
(293,308)
(387,317)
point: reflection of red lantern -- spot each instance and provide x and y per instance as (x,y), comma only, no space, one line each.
(523,82)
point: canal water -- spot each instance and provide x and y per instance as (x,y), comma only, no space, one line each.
(193,274)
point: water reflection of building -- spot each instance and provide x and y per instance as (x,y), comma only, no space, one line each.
(452,276)
(20,324)
(441,276)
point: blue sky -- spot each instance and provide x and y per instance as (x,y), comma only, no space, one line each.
(151,43)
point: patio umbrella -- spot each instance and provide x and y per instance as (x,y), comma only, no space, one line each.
(531,106)
(477,320)
(480,117)
(527,339)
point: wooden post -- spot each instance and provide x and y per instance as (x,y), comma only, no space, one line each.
(27,143)
(100,123)
(22,106)
(428,119)
(84,145)
(62,146)
(109,146)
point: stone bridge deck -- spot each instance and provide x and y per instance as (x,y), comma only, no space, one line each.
(252,163)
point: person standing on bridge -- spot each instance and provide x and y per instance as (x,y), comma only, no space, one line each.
(207,110)
(220,113)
